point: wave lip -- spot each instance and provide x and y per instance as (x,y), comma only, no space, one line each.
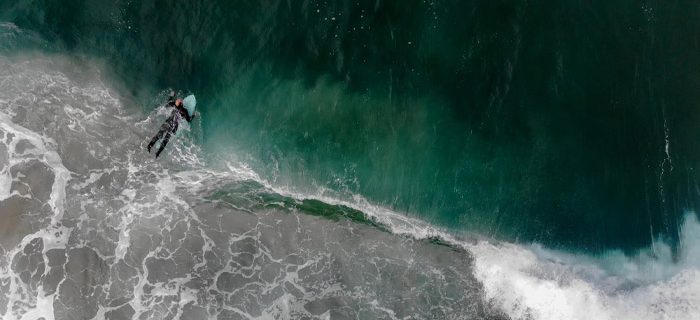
(529,281)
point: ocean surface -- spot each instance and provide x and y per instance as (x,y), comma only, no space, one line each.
(351,160)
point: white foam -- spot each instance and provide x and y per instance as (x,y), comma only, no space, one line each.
(42,153)
(53,236)
(530,281)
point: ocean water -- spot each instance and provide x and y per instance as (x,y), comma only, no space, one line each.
(352,159)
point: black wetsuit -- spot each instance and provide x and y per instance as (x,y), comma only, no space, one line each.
(170,125)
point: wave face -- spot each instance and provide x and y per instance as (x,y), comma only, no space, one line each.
(567,123)
(93,228)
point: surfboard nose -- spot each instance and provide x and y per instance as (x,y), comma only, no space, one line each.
(190,102)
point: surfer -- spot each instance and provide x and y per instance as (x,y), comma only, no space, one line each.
(183,109)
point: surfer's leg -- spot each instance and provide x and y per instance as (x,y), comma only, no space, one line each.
(165,127)
(155,139)
(163,143)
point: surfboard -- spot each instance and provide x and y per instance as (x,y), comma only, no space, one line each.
(190,102)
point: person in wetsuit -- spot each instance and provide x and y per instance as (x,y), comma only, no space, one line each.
(171,123)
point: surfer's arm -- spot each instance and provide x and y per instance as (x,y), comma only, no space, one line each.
(185,114)
(171,99)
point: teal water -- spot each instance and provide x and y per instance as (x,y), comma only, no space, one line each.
(570,123)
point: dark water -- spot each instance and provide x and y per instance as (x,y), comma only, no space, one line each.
(571,123)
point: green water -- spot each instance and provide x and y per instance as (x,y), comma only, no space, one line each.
(572,123)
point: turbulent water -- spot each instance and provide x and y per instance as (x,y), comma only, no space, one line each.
(352,159)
